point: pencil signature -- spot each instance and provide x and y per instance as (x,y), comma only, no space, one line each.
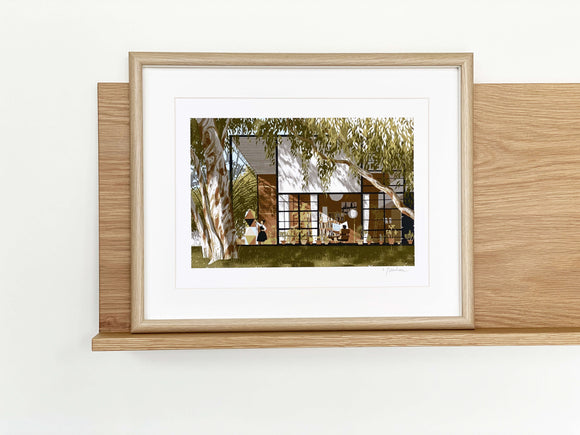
(390,270)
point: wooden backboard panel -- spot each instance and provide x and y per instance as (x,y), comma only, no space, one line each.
(526,205)
(114,208)
(526,226)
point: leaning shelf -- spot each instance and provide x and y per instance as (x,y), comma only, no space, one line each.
(479,337)
(526,232)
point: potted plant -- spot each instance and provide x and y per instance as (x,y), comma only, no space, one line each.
(369,238)
(283,237)
(292,238)
(410,236)
(303,237)
(391,233)
(359,234)
(381,239)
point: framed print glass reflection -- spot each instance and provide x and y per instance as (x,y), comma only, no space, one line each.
(276,192)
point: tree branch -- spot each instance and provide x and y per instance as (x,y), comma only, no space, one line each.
(367,176)
(202,229)
(225,131)
(214,239)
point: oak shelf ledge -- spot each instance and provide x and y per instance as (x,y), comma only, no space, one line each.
(109,341)
(525,286)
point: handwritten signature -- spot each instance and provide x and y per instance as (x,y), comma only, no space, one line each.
(390,270)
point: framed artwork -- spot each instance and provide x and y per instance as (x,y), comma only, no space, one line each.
(277,192)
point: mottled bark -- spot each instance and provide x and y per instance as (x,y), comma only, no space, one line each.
(386,189)
(212,240)
(202,229)
(217,205)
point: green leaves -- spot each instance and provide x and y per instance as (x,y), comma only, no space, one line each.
(373,144)
(244,198)
(195,139)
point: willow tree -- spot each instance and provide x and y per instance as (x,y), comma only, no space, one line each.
(364,145)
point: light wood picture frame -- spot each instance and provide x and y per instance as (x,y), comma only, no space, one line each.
(464,65)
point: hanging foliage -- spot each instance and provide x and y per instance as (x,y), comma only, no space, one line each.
(364,145)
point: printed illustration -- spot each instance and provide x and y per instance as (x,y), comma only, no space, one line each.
(302,192)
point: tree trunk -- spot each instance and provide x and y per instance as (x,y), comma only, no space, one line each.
(202,229)
(218,210)
(211,242)
(386,189)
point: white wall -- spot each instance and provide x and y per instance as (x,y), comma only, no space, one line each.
(290,174)
(53,54)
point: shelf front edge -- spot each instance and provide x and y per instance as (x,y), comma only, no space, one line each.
(108,341)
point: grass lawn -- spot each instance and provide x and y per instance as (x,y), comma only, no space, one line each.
(313,256)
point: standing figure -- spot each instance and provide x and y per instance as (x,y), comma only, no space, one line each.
(262,237)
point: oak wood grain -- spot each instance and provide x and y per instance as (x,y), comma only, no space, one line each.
(526,216)
(114,208)
(223,340)
(467,289)
(526,230)
(136,183)
(138,61)
(298,59)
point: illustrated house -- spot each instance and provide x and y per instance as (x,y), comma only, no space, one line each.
(350,210)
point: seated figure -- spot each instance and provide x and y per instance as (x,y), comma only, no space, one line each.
(344,234)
